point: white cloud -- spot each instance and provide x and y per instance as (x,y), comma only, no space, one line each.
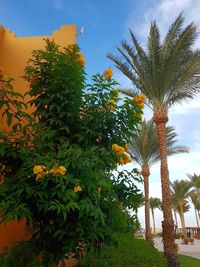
(164,13)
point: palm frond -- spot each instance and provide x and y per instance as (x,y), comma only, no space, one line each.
(168,72)
(144,146)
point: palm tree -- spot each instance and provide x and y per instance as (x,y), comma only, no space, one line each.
(180,191)
(167,73)
(154,203)
(144,149)
(195,182)
(194,197)
(174,208)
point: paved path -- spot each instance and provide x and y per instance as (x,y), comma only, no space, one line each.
(188,250)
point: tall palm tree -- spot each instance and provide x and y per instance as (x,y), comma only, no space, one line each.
(154,203)
(180,191)
(167,73)
(144,149)
(194,197)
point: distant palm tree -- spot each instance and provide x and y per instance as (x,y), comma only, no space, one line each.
(186,208)
(180,191)
(195,182)
(144,149)
(174,209)
(154,203)
(167,72)
(194,197)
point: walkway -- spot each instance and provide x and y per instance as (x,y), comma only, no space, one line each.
(188,250)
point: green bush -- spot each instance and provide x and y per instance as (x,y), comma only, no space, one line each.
(65,183)
(21,255)
(128,252)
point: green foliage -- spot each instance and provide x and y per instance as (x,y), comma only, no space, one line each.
(188,261)
(22,254)
(75,131)
(128,252)
(12,110)
(56,83)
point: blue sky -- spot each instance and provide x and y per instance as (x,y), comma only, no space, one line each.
(106,24)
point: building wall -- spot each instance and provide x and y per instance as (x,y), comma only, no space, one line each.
(14,54)
(15,51)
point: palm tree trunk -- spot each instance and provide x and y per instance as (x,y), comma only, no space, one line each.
(196,214)
(175,217)
(145,174)
(153,218)
(182,221)
(160,118)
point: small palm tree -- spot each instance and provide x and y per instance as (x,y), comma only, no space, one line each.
(167,72)
(195,182)
(154,203)
(194,197)
(144,149)
(180,191)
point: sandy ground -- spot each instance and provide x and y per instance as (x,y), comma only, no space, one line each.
(188,250)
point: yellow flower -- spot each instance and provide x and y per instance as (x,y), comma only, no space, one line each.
(112,108)
(143,97)
(77,188)
(54,171)
(80,59)
(118,149)
(124,159)
(38,169)
(126,147)
(58,170)
(62,170)
(40,175)
(139,100)
(108,74)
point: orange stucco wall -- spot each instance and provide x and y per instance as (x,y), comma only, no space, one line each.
(14,54)
(15,51)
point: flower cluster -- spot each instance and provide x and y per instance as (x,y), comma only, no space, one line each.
(120,151)
(41,171)
(108,74)
(124,159)
(111,105)
(77,188)
(139,100)
(58,170)
(80,59)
